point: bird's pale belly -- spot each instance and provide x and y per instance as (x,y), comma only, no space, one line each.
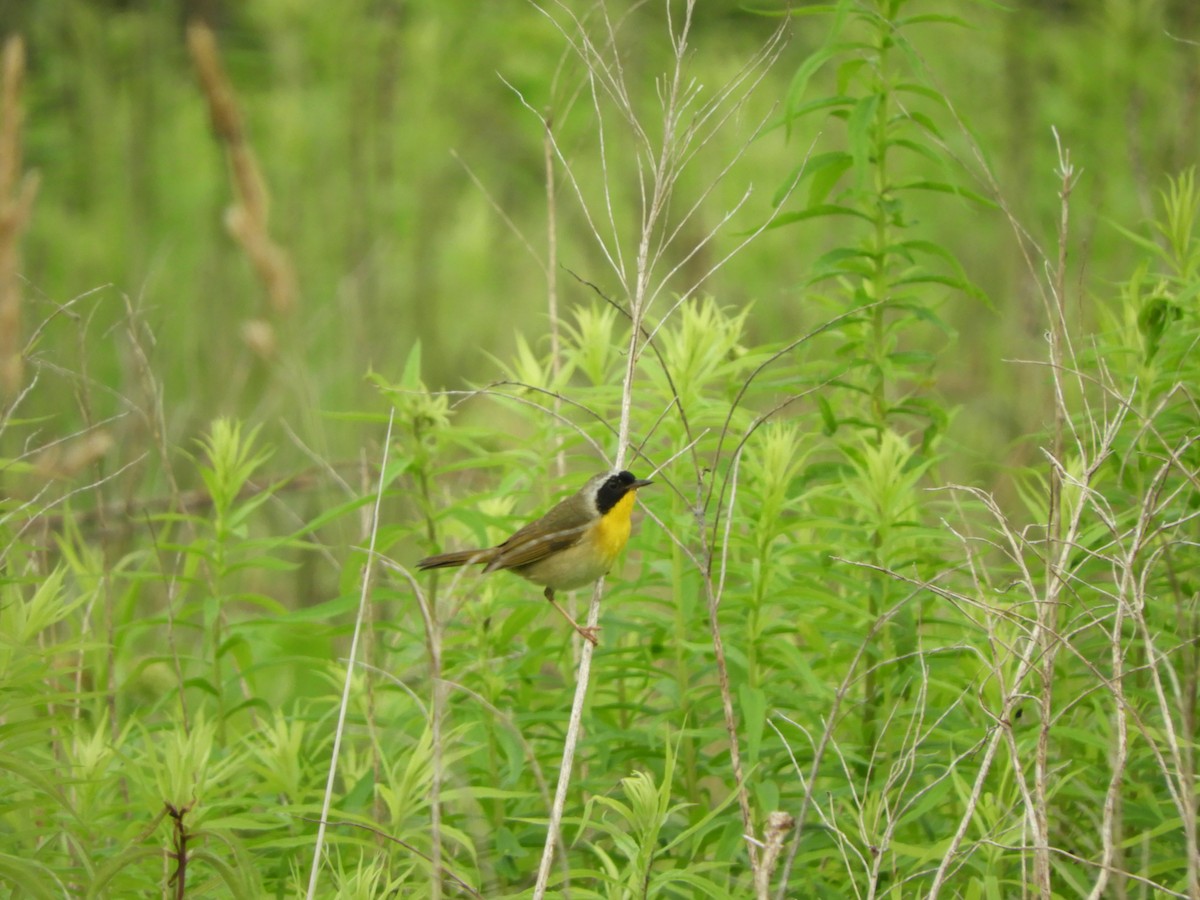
(569,569)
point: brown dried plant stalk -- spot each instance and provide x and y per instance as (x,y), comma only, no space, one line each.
(247,219)
(17,193)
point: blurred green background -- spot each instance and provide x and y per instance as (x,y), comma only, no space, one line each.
(403,149)
(406,176)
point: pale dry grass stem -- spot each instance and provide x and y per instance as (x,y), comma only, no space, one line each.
(687,123)
(368,656)
(645,263)
(351,664)
(1082,528)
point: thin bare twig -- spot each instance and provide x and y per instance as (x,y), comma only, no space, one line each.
(659,164)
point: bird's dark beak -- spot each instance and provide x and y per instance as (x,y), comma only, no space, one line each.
(640,482)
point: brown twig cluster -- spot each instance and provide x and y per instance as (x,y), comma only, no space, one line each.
(247,219)
(17,193)
(179,849)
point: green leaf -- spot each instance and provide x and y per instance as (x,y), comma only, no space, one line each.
(812,106)
(930,18)
(800,80)
(410,378)
(754,719)
(943,188)
(924,122)
(860,132)
(825,175)
(817,212)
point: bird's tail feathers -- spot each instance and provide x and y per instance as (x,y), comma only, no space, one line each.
(457,558)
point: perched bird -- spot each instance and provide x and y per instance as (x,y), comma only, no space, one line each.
(572,545)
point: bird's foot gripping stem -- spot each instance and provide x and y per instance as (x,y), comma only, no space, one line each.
(590,634)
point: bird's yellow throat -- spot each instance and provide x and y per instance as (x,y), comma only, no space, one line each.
(612,531)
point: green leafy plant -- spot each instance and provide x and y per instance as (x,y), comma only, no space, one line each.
(830,664)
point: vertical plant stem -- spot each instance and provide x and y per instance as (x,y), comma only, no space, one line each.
(568,757)
(651,212)
(713,596)
(881,290)
(552,271)
(1176,775)
(659,164)
(556,362)
(691,768)
(428,604)
(214,617)
(1120,749)
(1179,775)
(437,756)
(1056,548)
(368,566)
(582,649)
(1188,749)
(368,652)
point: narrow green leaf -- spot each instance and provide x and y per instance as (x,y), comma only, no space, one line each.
(824,210)
(860,129)
(943,188)
(827,416)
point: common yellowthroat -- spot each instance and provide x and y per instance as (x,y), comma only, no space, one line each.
(572,545)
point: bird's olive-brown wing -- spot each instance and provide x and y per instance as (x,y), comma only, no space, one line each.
(557,530)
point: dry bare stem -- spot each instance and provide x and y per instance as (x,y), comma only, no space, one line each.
(776,829)
(1038,650)
(1128,600)
(368,659)
(17,194)
(368,566)
(1074,463)
(823,744)
(713,594)
(1058,336)
(687,124)
(1177,760)
(247,219)
(1011,688)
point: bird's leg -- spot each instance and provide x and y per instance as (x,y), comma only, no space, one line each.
(588,634)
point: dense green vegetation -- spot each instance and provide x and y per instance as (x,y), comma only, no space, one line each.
(896,300)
